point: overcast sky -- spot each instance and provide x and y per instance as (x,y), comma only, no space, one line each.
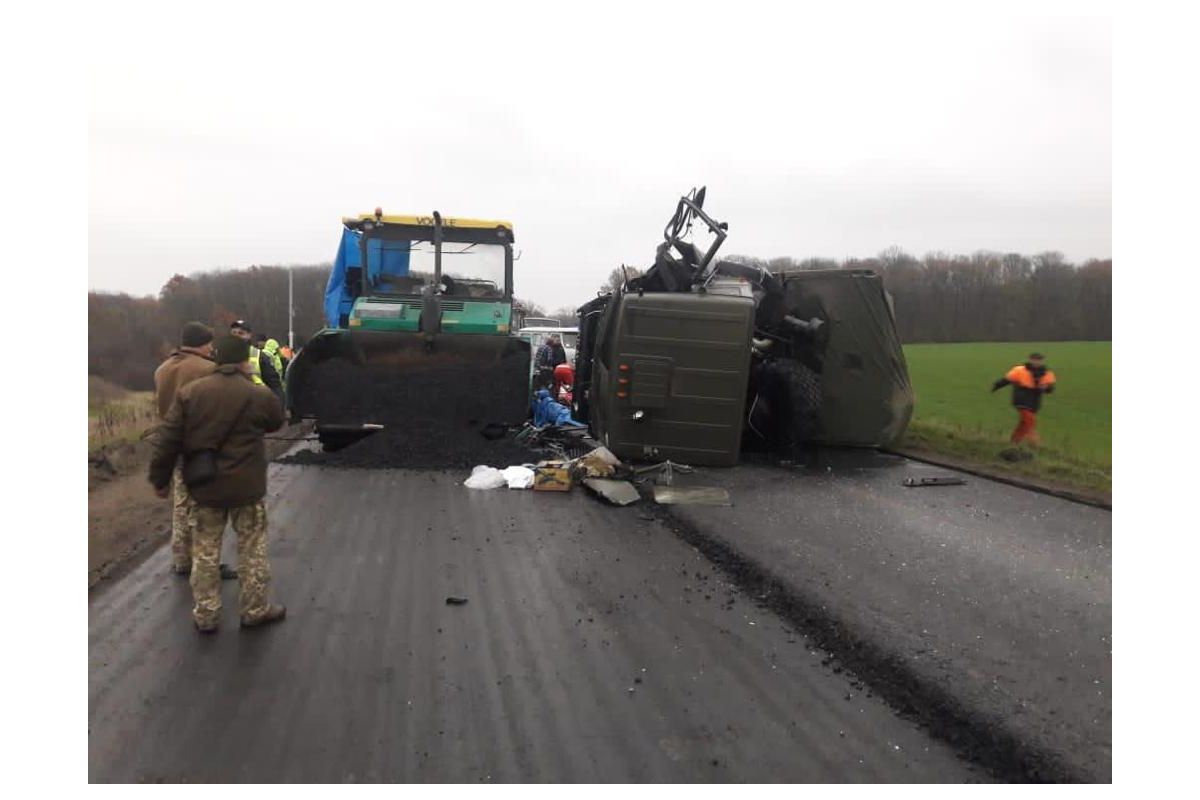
(228,139)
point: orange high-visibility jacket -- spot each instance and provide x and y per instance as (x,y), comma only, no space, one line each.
(1028,387)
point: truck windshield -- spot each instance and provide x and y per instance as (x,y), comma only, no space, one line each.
(468,270)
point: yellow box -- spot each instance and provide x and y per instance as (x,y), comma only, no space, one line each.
(551,479)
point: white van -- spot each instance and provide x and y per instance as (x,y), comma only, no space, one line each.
(536,335)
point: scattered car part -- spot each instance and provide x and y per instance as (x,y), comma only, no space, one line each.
(619,493)
(934,481)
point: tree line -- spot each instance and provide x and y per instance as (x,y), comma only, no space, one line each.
(984,296)
(129,336)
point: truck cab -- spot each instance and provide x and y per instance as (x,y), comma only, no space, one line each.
(669,374)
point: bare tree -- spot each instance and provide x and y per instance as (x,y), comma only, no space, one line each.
(616,279)
(566,315)
(529,307)
(941,298)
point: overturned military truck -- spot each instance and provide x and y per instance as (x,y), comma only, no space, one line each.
(698,359)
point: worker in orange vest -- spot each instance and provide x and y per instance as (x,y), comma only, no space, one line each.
(1030,381)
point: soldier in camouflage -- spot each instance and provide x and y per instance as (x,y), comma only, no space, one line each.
(228,413)
(250,523)
(191,360)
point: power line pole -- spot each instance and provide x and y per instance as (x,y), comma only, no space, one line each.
(291,333)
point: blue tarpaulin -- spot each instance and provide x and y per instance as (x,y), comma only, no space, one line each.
(383,257)
(547,412)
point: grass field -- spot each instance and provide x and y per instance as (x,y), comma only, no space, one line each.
(957,414)
(117,415)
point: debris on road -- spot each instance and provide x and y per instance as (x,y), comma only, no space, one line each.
(692,496)
(563,441)
(620,493)
(518,477)
(456,601)
(664,472)
(485,477)
(946,480)
(552,477)
(600,463)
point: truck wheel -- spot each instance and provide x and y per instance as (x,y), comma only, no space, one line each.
(788,408)
(805,390)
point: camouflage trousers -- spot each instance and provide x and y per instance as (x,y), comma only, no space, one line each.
(254,573)
(181,522)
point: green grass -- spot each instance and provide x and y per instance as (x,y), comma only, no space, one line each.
(956,413)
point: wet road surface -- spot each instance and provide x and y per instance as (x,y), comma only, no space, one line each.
(986,597)
(596,645)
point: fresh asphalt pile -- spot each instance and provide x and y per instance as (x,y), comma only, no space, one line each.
(434,416)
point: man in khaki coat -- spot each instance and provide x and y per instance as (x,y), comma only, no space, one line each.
(193,359)
(226,412)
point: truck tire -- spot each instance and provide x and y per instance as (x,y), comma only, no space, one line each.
(788,404)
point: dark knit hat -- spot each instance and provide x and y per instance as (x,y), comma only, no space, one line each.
(232,350)
(195,334)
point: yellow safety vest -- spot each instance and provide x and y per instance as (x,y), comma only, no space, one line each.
(255,366)
(276,362)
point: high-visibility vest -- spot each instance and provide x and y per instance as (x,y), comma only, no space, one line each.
(276,362)
(1023,377)
(255,366)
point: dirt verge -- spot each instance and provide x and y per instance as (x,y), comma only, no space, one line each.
(126,520)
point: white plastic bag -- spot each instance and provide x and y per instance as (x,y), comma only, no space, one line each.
(484,477)
(518,477)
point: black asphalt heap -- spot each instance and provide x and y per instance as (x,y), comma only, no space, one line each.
(433,416)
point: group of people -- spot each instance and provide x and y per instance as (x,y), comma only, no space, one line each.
(217,398)
(268,359)
(550,356)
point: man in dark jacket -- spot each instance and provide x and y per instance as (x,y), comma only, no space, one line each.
(1030,381)
(192,360)
(228,413)
(262,367)
(548,356)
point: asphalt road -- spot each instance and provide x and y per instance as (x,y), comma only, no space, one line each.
(986,607)
(596,645)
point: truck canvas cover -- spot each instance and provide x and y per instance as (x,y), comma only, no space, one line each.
(867,399)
